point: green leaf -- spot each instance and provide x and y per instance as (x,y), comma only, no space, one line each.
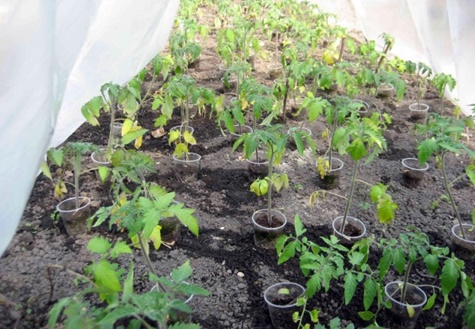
(128,289)
(470,171)
(430,302)
(120,248)
(370,292)
(105,276)
(449,276)
(288,252)
(45,170)
(366,315)
(377,191)
(182,273)
(56,310)
(469,314)
(314,315)
(399,260)
(357,149)
(103,173)
(298,225)
(432,263)
(426,149)
(185,216)
(350,287)
(133,135)
(98,245)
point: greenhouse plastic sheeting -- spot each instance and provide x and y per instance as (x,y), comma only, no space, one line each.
(439,33)
(54,56)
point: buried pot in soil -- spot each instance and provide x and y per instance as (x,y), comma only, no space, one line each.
(403,315)
(418,111)
(187,166)
(258,163)
(281,299)
(74,215)
(464,247)
(331,180)
(353,230)
(267,228)
(413,172)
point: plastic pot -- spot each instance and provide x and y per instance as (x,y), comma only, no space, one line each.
(403,315)
(187,166)
(239,130)
(385,90)
(75,218)
(275,70)
(413,172)
(182,128)
(258,164)
(298,129)
(265,234)
(464,248)
(364,111)
(281,299)
(354,229)
(99,160)
(418,111)
(331,179)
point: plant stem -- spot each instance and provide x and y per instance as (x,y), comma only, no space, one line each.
(77,171)
(449,193)
(110,142)
(284,103)
(406,279)
(148,262)
(350,196)
(271,186)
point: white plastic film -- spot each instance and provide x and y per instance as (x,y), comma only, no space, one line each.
(54,56)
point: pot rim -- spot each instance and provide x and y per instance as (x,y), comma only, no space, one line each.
(418,289)
(271,229)
(423,107)
(58,206)
(403,161)
(246,127)
(196,158)
(342,164)
(460,237)
(101,163)
(299,128)
(190,128)
(354,219)
(287,283)
(266,162)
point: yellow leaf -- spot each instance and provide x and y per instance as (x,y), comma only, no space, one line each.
(156,237)
(330,56)
(138,142)
(410,311)
(126,126)
(180,149)
(244,104)
(60,190)
(188,136)
(173,136)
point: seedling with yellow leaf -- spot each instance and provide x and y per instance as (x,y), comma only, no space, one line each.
(67,158)
(275,141)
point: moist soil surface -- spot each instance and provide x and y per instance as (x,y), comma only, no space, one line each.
(224,257)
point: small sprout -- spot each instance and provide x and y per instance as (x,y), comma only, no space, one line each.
(283,291)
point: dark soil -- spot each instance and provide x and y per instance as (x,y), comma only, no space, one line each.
(224,258)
